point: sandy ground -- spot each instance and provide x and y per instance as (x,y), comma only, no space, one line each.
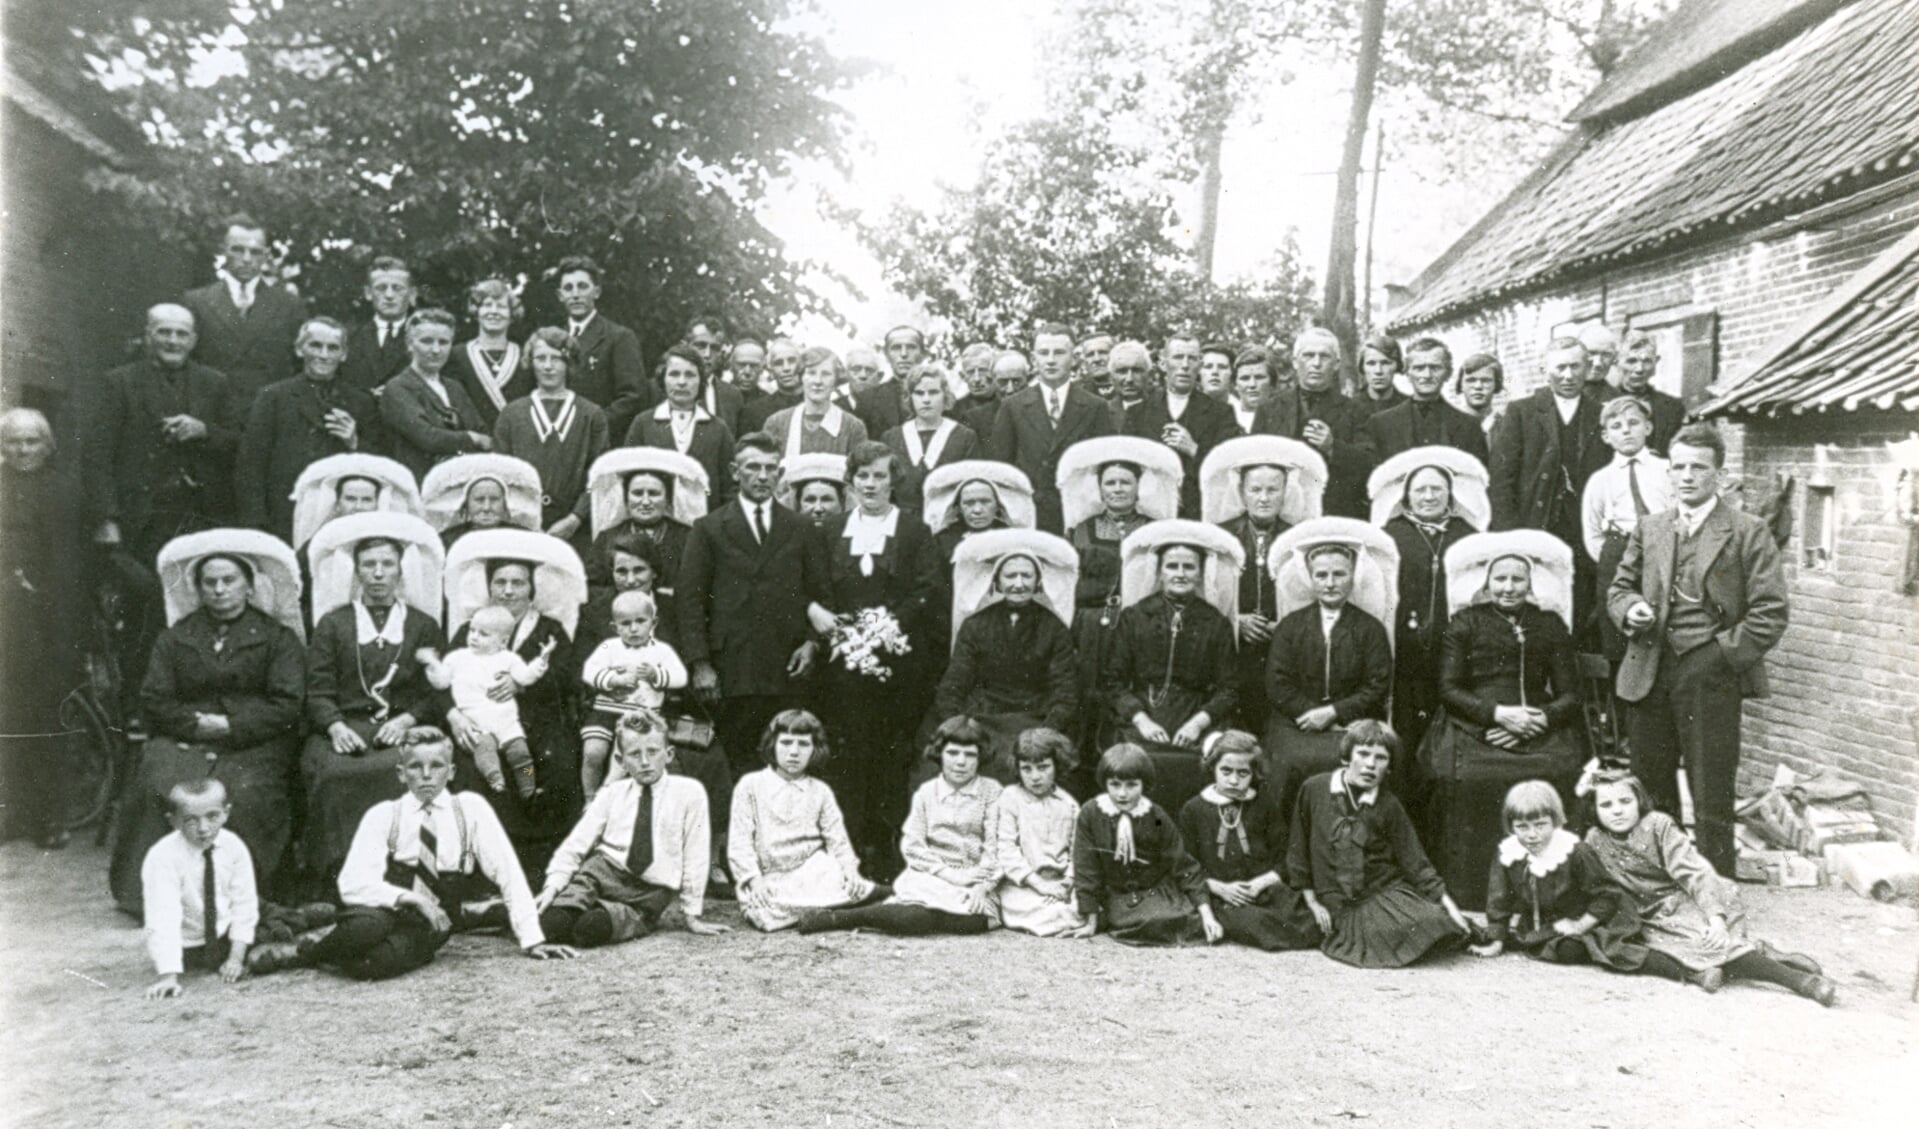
(857,1030)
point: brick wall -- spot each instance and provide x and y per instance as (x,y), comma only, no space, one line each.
(1845,678)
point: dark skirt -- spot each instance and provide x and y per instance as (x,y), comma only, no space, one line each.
(1092,639)
(1278,921)
(339,790)
(259,784)
(1610,944)
(1390,929)
(1160,915)
(1466,784)
(871,728)
(1293,755)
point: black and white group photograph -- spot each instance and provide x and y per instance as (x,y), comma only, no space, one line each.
(864,563)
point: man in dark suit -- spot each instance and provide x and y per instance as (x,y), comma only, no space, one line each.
(706,335)
(1380,363)
(1637,364)
(905,351)
(376,346)
(1182,417)
(1035,426)
(158,446)
(297,422)
(612,372)
(750,571)
(1543,450)
(1129,378)
(246,322)
(981,399)
(1426,419)
(1700,596)
(1314,411)
(868,394)
(428,418)
(782,360)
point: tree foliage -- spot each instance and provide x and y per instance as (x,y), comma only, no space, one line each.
(481,137)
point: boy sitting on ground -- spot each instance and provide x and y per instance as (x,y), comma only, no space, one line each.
(197,888)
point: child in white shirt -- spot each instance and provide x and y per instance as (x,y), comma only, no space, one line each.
(630,672)
(470,672)
(182,930)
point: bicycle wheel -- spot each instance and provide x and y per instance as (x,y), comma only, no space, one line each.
(91,751)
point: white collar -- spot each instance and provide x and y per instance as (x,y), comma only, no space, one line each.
(1110,808)
(394,631)
(1645,457)
(1567,408)
(575,328)
(948,792)
(1695,516)
(1338,779)
(1212,795)
(930,453)
(867,536)
(830,423)
(242,293)
(665,411)
(1176,403)
(1558,850)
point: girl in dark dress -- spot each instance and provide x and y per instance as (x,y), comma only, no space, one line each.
(1426,499)
(1109,488)
(1550,896)
(1012,665)
(557,430)
(1171,671)
(488,491)
(1238,832)
(222,699)
(930,439)
(877,557)
(1509,684)
(540,580)
(376,596)
(1131,872)
(649,493)
(1330,662)
(1355,859)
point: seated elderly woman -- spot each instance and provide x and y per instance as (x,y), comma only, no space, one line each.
(352,483)
(1012,665)
(222,698)
(471,492)
(1330,662)
(540,581)
(1256,487)
(1170,671)
(963,500)
(648,493)
(43,607)
(1109,488)
(376,602)
(814,486)
(1426,499)
(1508,680)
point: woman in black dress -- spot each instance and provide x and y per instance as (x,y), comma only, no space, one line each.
(930,438)
(350,483)
(650,493)
(557,430)
(489,491)
(1109,488)
(222,699)
(1508,679)
(1330,662)
(1012,666)
(376,603)
(1170,670)
(682,424)
(539,579)
(878,558)
(1426,500)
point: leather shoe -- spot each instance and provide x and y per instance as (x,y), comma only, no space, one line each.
(1820,989)
(1711,979)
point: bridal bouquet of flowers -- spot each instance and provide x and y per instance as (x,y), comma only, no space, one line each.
(860,642)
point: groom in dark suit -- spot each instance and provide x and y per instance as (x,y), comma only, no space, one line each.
(750,570)
(1036,425)
(376,346)
(1426,420)
(1701,599)
(246,321)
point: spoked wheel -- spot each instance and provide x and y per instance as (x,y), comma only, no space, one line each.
(91,751)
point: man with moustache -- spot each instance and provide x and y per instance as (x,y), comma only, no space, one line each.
(783,361)
(297,422)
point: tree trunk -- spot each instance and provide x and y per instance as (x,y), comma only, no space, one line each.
(1211,140)
(1339,310)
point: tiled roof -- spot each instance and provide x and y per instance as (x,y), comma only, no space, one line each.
(1831,111)
(1859,349)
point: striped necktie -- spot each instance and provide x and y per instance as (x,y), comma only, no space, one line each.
(427,866)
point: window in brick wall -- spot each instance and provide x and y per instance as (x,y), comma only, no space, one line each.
(1817,529)
(1688,349)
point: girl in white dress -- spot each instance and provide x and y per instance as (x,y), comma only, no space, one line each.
(787,842)
(1035,847)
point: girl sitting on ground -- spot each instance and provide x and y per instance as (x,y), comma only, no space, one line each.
(1356,860)
(1035,846)
(1130,867)
(1693,923)
(1550,896)
(1237,832)
(787,844)
(949,845)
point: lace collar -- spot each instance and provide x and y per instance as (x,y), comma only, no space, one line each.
(1557,851)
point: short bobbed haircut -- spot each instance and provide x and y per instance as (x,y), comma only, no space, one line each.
(1368,733)
(959,730)
(799,723)
(1234,741)
(1532,799)
(1125,761)
(1041,743)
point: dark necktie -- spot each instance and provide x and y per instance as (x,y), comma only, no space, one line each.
(639,854)
(753,519)
(209,903)
(1632,483)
